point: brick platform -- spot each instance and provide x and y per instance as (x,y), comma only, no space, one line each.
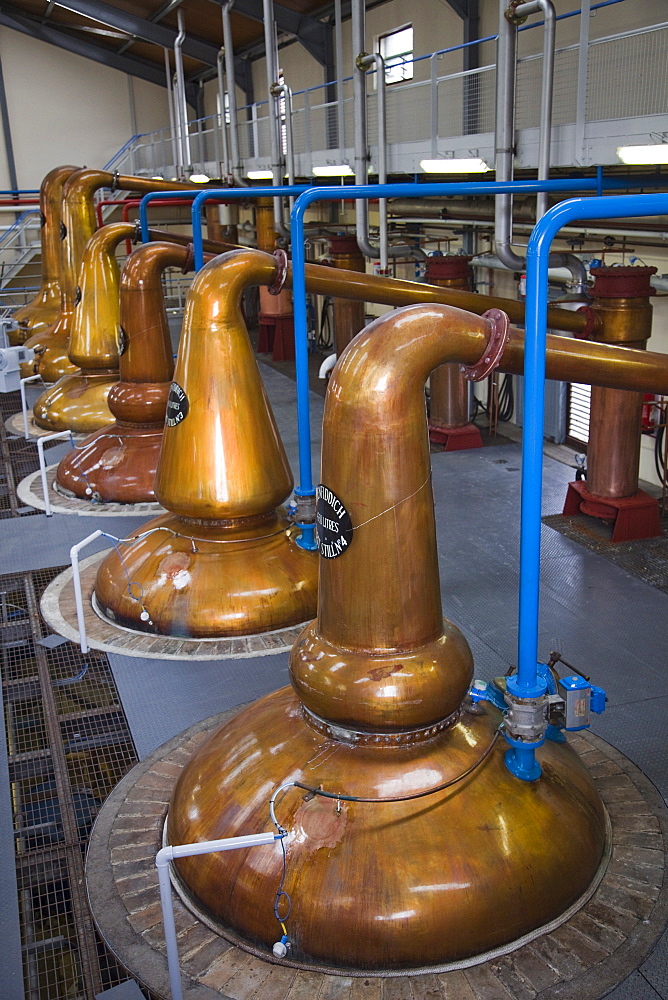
(30,492)
(59,611)
(582,959)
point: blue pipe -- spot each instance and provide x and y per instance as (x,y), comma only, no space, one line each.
(612,207)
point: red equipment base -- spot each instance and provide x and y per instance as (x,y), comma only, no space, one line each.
(634,517)
(455,438)
(276,334)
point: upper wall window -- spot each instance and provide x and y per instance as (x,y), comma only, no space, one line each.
(396,48)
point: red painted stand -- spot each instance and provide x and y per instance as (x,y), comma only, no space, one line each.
(455,438)
(634,517)
(276,334)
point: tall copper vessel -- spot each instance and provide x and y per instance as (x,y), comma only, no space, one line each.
(622,304)
(79,224)
(119,462)
(78,402)
(225,560)
(344,253)
(43,310)
(378,714)
(449,422)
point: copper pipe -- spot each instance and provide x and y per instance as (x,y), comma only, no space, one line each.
(185,239)
(43,310)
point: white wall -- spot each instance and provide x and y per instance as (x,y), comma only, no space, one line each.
(67,109)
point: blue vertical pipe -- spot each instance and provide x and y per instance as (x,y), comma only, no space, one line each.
(611,207)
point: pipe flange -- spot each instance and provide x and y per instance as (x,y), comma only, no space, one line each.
(281,259)
(592,323)
(496,346)
(511,16)
(385,739)
(113,187)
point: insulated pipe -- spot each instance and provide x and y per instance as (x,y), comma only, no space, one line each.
(504,140)
(278,89)
(273,112)
(181,93)
(338,51)
(221,102)
(377,60)
(547,90)
(170,105)
(230,76)
(361,58)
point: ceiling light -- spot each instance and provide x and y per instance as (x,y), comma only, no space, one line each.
(648,155)
(469,165)
(199,179)
(333,170)
(260,175)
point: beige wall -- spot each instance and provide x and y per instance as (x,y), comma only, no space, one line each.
(67,109)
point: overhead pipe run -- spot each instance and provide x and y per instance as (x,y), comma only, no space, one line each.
(510,15)
(274,113)
(225,164)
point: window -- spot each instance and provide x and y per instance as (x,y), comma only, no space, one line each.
(396,48)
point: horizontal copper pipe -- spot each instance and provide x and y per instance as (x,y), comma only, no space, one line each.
(184,239)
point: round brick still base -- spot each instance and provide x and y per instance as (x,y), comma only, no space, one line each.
(582,959)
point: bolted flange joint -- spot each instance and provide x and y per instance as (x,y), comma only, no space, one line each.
(525,725)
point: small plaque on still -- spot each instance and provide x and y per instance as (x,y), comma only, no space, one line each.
(177,405)
(334,529)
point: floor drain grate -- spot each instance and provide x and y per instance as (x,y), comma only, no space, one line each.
(68,745)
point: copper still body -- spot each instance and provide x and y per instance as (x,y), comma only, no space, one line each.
(118,463)
(43,310)
(78,401)
(621,302)
(224,561)
(378,711)
(449,422)
(276,327)
(344,253)
(79,224)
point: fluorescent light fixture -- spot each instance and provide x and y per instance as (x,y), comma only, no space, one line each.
(260,175)
(648,155)
(467,165)
(333,170)
(199,179)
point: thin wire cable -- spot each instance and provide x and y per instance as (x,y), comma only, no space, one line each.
(394,505)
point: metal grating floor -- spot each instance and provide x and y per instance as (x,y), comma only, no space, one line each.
(68,742)
(67,745)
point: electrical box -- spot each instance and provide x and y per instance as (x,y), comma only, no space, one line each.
(576,693)
(11,359)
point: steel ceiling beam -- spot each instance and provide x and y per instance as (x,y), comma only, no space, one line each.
(10,18)
(141,29)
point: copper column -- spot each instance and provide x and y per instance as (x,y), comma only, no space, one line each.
(621,302)
(449,422)
(345,253)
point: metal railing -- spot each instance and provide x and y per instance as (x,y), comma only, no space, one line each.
(436,112)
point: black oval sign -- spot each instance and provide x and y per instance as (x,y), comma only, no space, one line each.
(177,405)
(333,527)
(63,230)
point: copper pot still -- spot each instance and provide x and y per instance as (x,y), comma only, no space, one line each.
(43,309)
(378,711)
(224,561)
(78,225)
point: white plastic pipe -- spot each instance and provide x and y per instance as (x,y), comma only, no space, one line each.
(60,435)
(24,405)
(162,861)
(327,365)
(76,580)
